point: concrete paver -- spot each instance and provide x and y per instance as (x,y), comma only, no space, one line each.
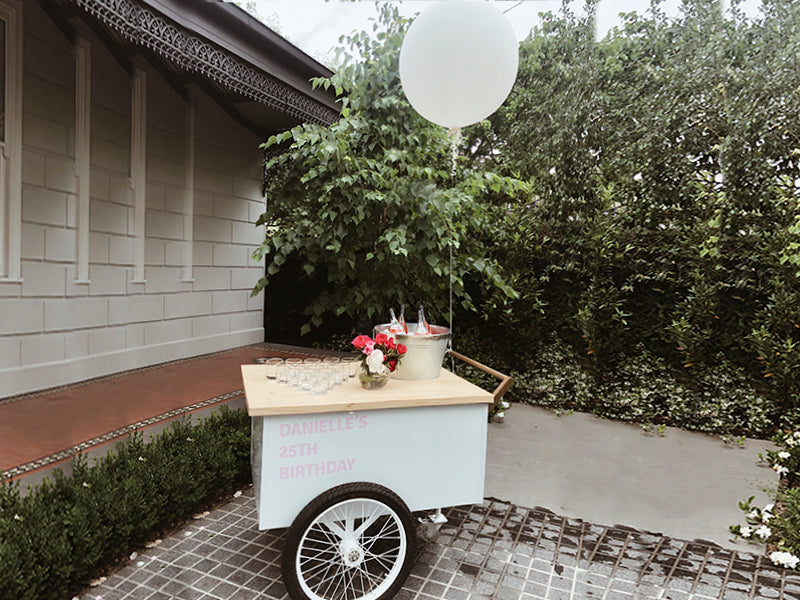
(492,550)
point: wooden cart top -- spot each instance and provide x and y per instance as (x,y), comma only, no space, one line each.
(267,397)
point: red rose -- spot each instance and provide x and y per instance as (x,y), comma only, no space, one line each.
(361,341)
(390,343)
(392,364)
(401,349)
(381,338)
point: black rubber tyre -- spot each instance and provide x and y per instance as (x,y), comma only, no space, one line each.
(353,542)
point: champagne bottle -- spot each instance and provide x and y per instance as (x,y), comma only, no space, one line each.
(402,319)
(394,323)
(422,325)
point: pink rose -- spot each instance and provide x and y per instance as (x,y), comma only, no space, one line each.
(401,349)
(360,341)
(369,347)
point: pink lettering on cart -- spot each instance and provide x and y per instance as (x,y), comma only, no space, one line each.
(329,425)
(327,467)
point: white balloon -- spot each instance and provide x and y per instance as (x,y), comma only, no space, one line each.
(458,62)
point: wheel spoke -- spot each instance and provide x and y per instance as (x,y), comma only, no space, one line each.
(331,521)
(314,567)
(331,536)
(388,525)
(330,579)
(372,580)
(368,520)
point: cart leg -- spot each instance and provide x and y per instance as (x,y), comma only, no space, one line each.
(431,525)
(353,542)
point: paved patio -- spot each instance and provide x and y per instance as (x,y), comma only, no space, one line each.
(492,550)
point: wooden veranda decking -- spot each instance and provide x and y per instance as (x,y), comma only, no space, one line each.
(44,430)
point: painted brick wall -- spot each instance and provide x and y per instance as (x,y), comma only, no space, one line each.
(54,330)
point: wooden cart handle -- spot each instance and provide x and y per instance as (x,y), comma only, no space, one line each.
(505,380)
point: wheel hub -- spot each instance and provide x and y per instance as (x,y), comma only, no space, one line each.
(352,553)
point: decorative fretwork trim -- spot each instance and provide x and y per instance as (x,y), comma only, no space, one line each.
(141,26)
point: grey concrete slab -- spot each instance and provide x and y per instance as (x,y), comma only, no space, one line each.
(682,484)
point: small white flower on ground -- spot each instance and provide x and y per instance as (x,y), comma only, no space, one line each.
(85,484)
(141,459)
(552,171)
(784,559)
(638,176)
(763,532)
(746,531)
(752,515)
(237,493)
(134,555)
(504,405)
(766,516)
(187,534)
(140,563)
(783,455)
(375,363)
(769,507)
(780,469)
(17,518)
(500,415)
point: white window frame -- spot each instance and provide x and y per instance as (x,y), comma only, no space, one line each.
(11,148)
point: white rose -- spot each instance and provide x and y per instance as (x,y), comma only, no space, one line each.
(375,363)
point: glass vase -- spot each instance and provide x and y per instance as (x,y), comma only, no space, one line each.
(372,381)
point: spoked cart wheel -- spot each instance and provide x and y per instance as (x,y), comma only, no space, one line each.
(352,542)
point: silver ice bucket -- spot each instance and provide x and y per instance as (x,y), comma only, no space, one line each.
(423,360)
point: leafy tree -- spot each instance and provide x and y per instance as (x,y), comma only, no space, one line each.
(367,211)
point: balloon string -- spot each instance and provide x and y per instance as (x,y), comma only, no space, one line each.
(455,138)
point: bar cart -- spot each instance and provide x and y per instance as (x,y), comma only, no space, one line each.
(345,469)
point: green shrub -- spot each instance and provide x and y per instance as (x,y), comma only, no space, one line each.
(645,389)
(778,523)
(67,529)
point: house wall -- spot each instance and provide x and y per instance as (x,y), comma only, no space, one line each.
(56,329)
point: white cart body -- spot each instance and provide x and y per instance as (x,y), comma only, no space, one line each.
(424,440)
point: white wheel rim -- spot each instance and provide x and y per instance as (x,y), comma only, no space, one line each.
(353,550)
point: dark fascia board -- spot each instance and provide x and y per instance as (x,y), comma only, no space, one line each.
(236,31)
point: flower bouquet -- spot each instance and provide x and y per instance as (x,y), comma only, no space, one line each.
(379,358)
